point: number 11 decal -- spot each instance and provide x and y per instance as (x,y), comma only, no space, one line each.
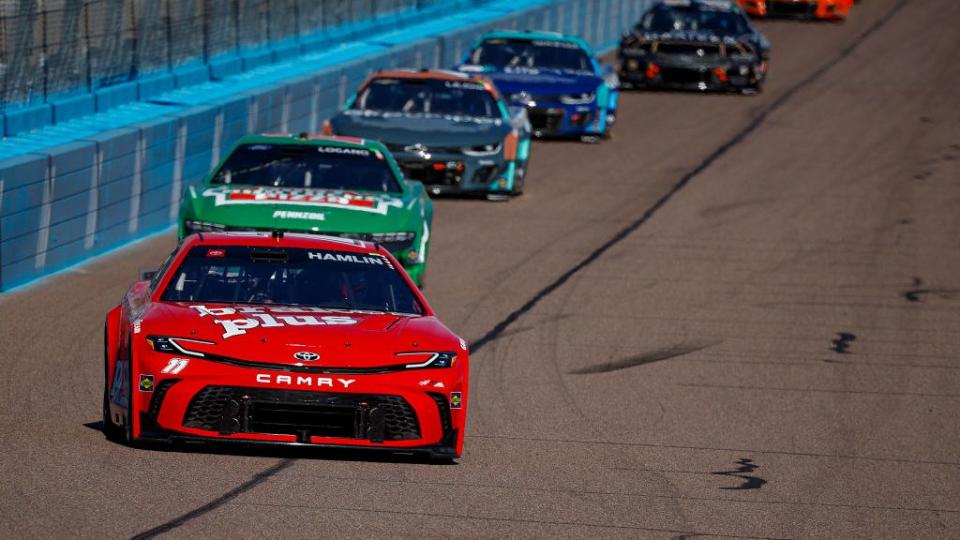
(175,366)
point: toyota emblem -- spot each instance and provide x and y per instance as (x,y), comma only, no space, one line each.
(306,356)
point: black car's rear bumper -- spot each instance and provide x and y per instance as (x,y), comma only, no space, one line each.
(637,71)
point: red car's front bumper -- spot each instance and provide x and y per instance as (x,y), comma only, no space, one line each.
(412,410)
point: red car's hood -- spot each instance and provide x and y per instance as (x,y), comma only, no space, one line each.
(274,334)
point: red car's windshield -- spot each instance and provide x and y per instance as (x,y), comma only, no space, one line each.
(291,277)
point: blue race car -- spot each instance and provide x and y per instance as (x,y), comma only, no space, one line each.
(557,78)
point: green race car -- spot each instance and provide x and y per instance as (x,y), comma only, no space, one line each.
(338,186)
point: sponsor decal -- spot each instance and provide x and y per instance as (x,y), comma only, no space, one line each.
(687,35)
(377,204)
(306,356)
(269,318)
(520,70)
(216,253)
(387,115)
(346,257)
(556,44)
(304,380)
(146,382)
(343,150)
(456,400)
(466,85)
(205,311)
(287,214)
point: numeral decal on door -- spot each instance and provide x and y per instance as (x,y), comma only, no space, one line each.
(175,366)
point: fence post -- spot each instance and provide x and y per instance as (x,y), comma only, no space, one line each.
(296,20)
(45,68)
(268,21)
(134,28)
(168,19)
(86,45)
(236,26)
(205,22)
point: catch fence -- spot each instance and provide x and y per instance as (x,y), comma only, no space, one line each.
(54,47)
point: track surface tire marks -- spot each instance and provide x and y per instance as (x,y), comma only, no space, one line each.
(683,383)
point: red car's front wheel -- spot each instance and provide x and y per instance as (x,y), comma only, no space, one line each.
(112,431)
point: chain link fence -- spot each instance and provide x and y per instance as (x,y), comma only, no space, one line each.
(49,47)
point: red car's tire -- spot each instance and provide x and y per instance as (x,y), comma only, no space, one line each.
(113,432)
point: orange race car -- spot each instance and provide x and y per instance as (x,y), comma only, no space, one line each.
(816,9)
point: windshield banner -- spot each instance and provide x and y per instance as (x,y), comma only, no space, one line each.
(378,204)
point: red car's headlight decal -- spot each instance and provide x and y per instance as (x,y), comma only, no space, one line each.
(431,360)
(175,345)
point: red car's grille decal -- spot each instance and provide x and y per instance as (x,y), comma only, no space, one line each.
(228,410)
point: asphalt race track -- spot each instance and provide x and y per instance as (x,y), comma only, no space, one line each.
(740,317)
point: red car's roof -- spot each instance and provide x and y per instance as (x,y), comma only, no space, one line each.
(286,239)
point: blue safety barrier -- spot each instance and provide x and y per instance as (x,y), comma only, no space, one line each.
(97,180)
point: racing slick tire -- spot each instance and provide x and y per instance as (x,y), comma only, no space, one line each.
(608,133)
(752,90)
(521,178)
(111,431)
(114,433)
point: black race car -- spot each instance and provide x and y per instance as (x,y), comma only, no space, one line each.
(694,45)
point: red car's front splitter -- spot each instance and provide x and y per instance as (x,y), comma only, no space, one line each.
(433,452)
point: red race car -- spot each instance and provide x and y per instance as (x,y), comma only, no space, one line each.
(283,339)
(816,9)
